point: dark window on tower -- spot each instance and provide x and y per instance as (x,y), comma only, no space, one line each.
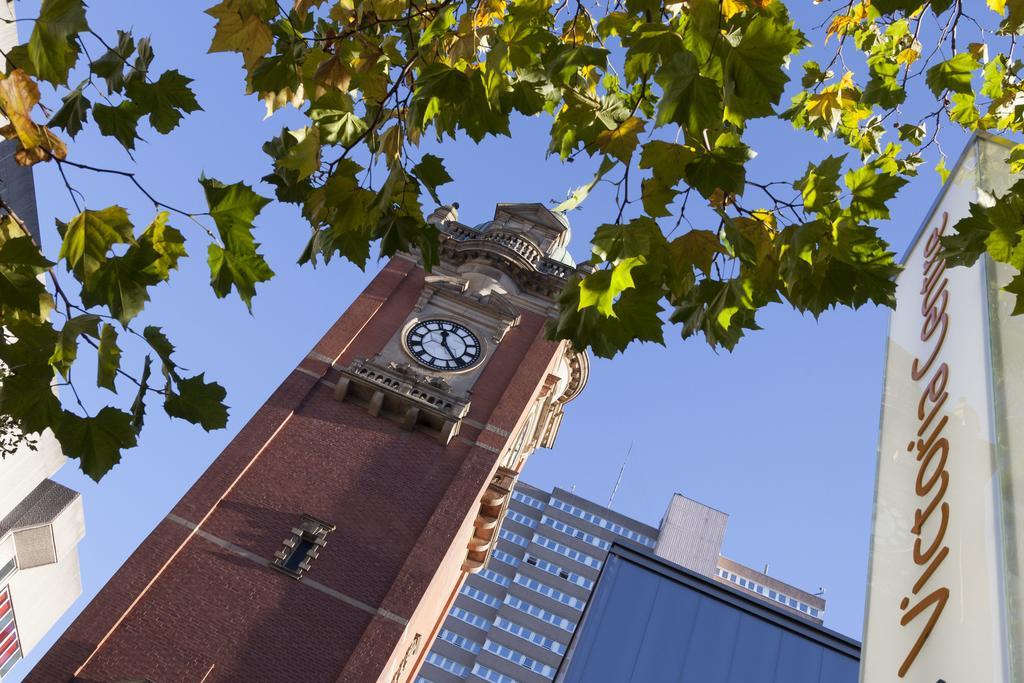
(303,547)
(299,554)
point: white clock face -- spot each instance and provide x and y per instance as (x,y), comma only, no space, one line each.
(443,345)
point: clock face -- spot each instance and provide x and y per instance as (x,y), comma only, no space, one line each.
(443,345)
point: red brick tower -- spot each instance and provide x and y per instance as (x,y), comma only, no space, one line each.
(329,538)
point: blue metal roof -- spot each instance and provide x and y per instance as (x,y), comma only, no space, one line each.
(650,621)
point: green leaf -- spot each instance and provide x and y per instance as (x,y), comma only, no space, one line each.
(138,409)
(820,184)
(26,393)
(755,68)
(335,118)
(893,6)
(1016,159)
(198,402)
(166,101)
(121,282)
(160,245)
(143,58)
(871,191)
(109,358)
(52,48)
(967,243)
(66,349)
(616,242)
(87,239)
(233,209)
(73,113)
(602,288)
(438,26)
(656,197)
(96,441)
(432,174)
(120,122)
(721,311)
(914,134)
(303,155)
(689,99)
(667,160)
(119,286)
(403,233)
(636,318)
(237,264)
(813,75)
(111,64)
(953,74)
(159,342)
(1016,287)
(564,61)
(836,263)
(964,111)
(722,168)
(239,269)
(21,264)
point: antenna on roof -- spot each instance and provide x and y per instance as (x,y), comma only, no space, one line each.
(618,481)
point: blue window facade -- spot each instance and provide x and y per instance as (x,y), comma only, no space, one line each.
(649,621)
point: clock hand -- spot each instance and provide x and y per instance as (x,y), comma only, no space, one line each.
(444,343)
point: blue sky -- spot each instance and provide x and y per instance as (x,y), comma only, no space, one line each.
(781,433)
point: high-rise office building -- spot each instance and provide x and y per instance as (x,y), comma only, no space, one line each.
(512,622)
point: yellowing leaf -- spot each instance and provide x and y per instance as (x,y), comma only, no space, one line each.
(621,141)
(844,24)
(19,94)
(391,143)
(488,11)
(241,28)
(997,6)
(766,217)
(695,248)
(333,74)
(731,8)
(830,104)
(908,56)
(281,99)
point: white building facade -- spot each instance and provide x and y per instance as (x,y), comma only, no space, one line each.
(41,523)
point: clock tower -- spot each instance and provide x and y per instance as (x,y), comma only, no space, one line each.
(329,539)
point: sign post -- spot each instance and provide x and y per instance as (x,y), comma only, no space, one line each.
(942,582)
